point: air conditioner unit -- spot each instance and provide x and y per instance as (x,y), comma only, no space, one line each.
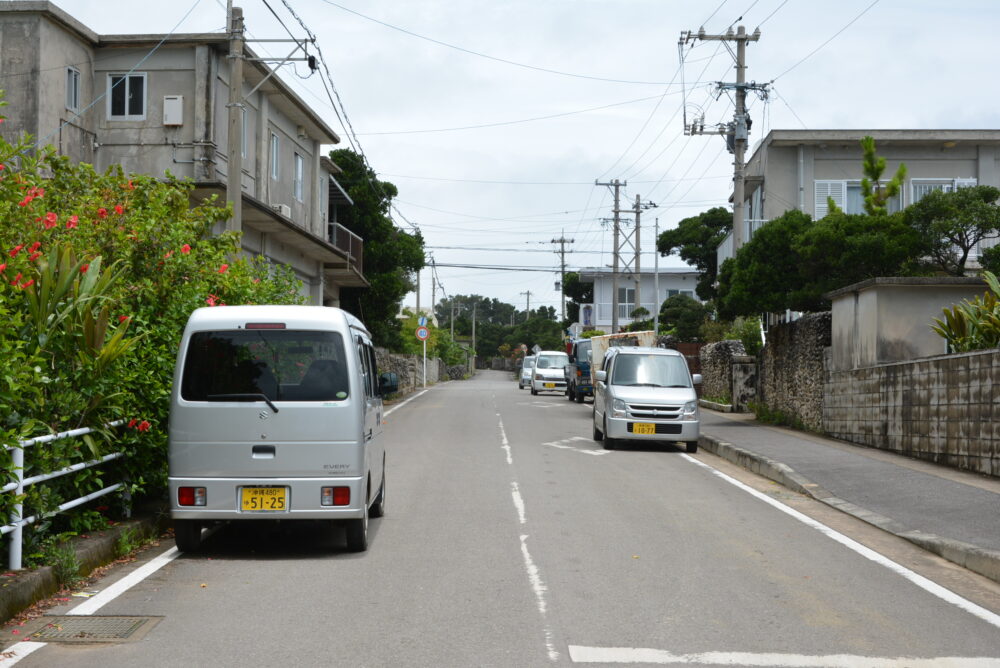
(283,209)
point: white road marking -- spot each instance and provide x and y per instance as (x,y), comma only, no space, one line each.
(95,603)
(418,394)
(580,654)
(18,651)
(540,404)
(564,445)
(534,575)
(919,580)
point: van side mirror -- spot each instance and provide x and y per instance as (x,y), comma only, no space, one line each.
(602,376)
(696,379)
(572,359)
(388,383)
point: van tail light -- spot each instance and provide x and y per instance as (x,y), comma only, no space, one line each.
(335,496)
(191,496)
(265,325)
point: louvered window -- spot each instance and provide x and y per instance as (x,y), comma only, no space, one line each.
(829,189)
(923,187)
(847,195)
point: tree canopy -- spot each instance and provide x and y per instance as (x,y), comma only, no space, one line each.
(578,293)
(391,255)
(695,240)
(953,223)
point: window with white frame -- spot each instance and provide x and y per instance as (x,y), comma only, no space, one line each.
(275,156)
(686,293)
(847,195)
(922,187)
(127,99)
(297,181)
(72,89)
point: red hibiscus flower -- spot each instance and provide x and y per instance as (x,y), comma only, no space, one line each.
(223,268)
(102,212)
(144,426)
(27,284)
(3,267)
(132,423)
(84,268)
(186,248)
(35,246)
(33,256)
(122,318)
(119,209)
(211,300)
(73,221)
(17,249)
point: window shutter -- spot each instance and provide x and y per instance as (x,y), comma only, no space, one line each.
(825,189)
(965,183)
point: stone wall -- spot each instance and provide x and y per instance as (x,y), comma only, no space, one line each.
(744,383)
(943,409)
(717,369)
(791,369)
(409,368)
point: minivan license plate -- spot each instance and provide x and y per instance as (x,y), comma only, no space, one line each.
(643,428)
(548,385)
(266,499)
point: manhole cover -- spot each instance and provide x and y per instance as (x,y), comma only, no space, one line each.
(79,628)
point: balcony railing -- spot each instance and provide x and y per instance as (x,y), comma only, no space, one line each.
(604,311)
(349,242)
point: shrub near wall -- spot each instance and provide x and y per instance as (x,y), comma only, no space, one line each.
(791,372)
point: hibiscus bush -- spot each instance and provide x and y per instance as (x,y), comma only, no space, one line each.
(98,274)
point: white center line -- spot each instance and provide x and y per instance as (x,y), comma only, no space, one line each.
(580,654)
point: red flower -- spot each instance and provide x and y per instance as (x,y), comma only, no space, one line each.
(132,422)
(144,426)
(17,249)
(16,279)
(223,268)
(84,268)
(35,246)
(3,267)
(27,284)
(210,300)
(51,217)
(72,222)
(167,256)
(102,212)
(26,201)
(186,248)
(122,318)
(119,209)
(33,256)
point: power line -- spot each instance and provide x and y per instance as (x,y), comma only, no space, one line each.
(811,53)
(523,183)
(488,57)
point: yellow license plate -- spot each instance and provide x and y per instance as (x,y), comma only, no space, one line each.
(643,428)
(263,499)
(550,384)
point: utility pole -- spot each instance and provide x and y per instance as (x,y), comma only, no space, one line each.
(737,131)
(527,305)
(656,280)
(234,139)
(418,294)
(475,307)
(433,288)
(562,241)
(617,185)
(637,209)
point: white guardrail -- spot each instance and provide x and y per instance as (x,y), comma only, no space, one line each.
(17,522)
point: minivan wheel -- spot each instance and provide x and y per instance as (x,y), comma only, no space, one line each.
(579,397)
(357,533)
(570,393)
(534,392)
(609,443)
(692,447)
(187,535)
(598,434)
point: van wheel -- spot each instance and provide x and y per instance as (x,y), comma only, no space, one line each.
(570,393)
(609,443)
(579,397)
(357,533)
(378,508)
(534,392)
(692,447)
(598,434)
(187,535)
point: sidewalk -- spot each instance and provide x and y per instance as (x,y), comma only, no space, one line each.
(949,512)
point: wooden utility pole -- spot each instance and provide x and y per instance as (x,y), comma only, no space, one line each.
(617,185)
(234,138)
(527,305)
(737,132)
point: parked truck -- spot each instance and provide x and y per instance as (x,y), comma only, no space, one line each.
(578,382)
(600,345)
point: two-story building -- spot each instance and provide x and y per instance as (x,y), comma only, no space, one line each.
(654,289)
(159,103)
(800,169)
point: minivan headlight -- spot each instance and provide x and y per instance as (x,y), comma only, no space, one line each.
(618,408)
(691,410)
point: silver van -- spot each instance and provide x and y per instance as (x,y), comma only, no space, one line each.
(646,394)
(276,413)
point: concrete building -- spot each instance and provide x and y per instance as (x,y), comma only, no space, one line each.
(159,103)
(800,169)
(672,281)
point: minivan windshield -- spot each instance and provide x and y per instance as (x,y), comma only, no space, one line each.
(282,365)
(528,363)
(650,371)
(552,361)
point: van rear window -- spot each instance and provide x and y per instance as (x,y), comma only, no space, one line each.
(283,365)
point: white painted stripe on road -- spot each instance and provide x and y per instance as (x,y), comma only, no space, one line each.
(580,654)
(95,603)
(564,445)
(919,580)
(515,492)
(18,651)
(418,394)
(504,443)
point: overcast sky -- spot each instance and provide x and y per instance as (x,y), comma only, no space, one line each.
(495,117)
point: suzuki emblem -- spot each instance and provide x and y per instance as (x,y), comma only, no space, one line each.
(264,415)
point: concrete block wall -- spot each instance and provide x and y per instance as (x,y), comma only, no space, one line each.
(791,370)
(943,409)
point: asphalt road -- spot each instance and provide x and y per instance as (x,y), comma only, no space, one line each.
(512,539)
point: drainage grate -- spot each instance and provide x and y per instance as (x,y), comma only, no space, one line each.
(78,628)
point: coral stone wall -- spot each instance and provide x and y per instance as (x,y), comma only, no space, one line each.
(717,369)
(791,372)
(409,368)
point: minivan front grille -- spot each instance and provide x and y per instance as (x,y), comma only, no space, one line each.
(655,411)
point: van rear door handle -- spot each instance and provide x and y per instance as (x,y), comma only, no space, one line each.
(263,452)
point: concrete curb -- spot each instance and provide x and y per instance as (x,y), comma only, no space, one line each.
(980,560)
(20,591)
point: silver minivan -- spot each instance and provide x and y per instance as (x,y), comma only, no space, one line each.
(276,413)
(646,394)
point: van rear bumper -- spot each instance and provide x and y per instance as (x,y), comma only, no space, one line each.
(303,499)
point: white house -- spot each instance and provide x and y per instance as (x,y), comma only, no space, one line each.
(669,281)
